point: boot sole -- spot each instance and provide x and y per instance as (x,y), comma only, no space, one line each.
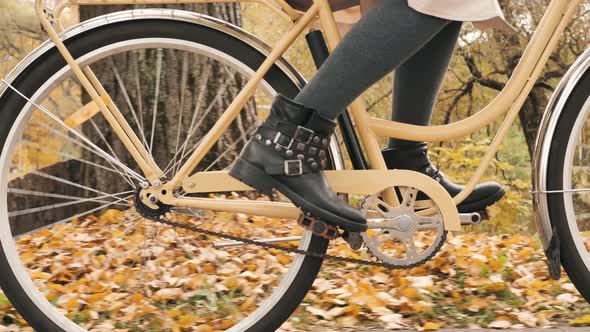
(264,183)
(481,204)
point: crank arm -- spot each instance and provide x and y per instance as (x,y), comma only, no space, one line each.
(467,219)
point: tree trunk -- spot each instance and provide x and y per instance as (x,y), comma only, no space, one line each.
(201,78)
(530,116)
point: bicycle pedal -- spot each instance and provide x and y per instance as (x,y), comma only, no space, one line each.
(354,240)
(318,227)
(484,215)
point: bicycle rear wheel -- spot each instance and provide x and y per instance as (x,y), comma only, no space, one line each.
(76,252)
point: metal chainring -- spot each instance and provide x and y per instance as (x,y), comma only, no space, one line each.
(400,225)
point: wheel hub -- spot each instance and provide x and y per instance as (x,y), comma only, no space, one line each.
(146,211)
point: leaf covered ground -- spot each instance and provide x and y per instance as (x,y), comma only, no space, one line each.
(478,280)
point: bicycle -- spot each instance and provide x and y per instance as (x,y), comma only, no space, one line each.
(171,199)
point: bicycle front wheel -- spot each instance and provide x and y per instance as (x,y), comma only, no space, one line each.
(77,253)
(568,180)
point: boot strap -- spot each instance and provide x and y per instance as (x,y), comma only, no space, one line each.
(303,150)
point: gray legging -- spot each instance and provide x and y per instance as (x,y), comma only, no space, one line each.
(391,36)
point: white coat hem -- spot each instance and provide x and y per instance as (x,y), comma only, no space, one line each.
(470,18)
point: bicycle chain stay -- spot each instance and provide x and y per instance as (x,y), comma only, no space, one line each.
(300,251)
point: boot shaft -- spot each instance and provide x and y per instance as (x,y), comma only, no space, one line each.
(412,158)
(287,115)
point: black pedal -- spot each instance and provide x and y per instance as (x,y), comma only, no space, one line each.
(484,215)
(319,227)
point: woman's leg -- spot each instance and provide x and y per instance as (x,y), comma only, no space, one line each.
(418,80)
(290,149)
(382,40)
(416,86)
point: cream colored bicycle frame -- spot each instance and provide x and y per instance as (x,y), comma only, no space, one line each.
(508,102)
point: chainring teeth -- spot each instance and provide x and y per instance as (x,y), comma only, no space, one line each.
(395,243)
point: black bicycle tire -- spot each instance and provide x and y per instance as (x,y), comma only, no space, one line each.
(571,259)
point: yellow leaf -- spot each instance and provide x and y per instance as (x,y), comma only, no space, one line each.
(112,216)
(477,304)
(168,294)
(411,293)
(496,287)
(27,256)
(40,275)
(582,321)
(96,297)
(57,287)
(284,259)
(248,303)
(174,313)
(209,268)
(203,328)
(187,321)
(431,326)
(225,324)
(71,304)
(136,298)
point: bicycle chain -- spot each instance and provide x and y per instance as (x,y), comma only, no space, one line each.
(300,251)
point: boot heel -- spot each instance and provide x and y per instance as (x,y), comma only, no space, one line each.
(252,176)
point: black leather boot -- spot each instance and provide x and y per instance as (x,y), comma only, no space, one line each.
(288,153)
(416,158)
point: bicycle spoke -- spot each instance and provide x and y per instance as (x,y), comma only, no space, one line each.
(156,96)
(89,149)
(180,161)
(64,181)
(201,95)
(125,175)
(93,210)
(46,194)
(139,97)
(221,155)
(193,129)
(80,136)
(128,229)
(184,77)
(72,157)
(219,100)
(148,256)
(128,100)
(112,254)
(60,205)
(81,214)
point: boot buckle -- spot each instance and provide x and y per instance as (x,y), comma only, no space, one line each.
(293,167)
(284,138)
(303,135)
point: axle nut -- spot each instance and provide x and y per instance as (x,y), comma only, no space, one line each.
(153,199)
